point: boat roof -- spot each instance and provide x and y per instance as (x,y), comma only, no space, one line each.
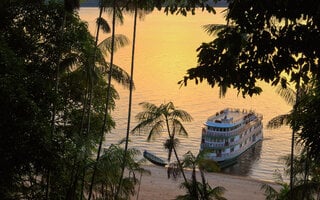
(227,118)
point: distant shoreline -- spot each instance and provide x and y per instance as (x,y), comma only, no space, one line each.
(95,3)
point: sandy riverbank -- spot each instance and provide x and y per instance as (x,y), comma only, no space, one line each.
(158,187)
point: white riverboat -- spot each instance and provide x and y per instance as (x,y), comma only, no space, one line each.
(229,133)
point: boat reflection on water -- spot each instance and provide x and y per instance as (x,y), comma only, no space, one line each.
(243,164)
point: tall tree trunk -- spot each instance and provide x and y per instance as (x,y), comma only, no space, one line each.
(86,116)
(180,165)
(193,186)
(124,159)
(204,185)
(54,103)
(139,186)
(293,141)
(107,100)
(171,135)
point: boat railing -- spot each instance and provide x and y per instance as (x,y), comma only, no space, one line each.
(223,133)
(229,143)
(213,144)
(251,114)
(245,137)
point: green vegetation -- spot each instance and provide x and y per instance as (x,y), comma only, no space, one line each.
(55,110)
(154,120)
(200,190)
(274,42)
(52,101)
(306,180)
(54,106)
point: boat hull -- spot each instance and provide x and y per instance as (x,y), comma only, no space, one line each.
(154,159)
(234,159)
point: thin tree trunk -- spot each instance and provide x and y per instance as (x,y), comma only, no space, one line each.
(86,112)
(54,104)
(291,165)
(175,152)
(107,102)
(306,173)
(292,144)
(139,186)
(130,99)
(180,165)
(204,185)
(193,186)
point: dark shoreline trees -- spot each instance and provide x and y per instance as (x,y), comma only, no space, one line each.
(45,79)
(29,51)
(265,41)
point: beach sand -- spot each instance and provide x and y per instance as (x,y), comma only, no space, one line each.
(157,186)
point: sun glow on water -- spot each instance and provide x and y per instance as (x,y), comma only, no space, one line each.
(165,49)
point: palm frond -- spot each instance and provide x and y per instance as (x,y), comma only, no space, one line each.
(269,192)
(181,114)
(68,62)
(119,41)
(189,160)
(148,106)
(288,94)
(151,114)
(278,121)
(179,127)
(208,165)
(108,9)
(119,75)
(103,24)
(155,130)
(122,141)
(217,192)
(212,29)
(278,177)
(143,126)
(306,190)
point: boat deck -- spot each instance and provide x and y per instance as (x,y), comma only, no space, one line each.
(227,117)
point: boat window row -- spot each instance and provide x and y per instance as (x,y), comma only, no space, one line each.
(215,139)
(224,143)
(212,128)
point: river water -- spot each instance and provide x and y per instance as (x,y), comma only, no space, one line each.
(165,49)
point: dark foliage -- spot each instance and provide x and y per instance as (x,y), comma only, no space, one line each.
(261,41)
(31,50)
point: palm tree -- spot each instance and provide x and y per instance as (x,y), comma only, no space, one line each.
(200,190)
(156,119)
(109,171)
(69,7)
(273,194)
(130,99)
(103,6)
(292,98)
(302,189)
